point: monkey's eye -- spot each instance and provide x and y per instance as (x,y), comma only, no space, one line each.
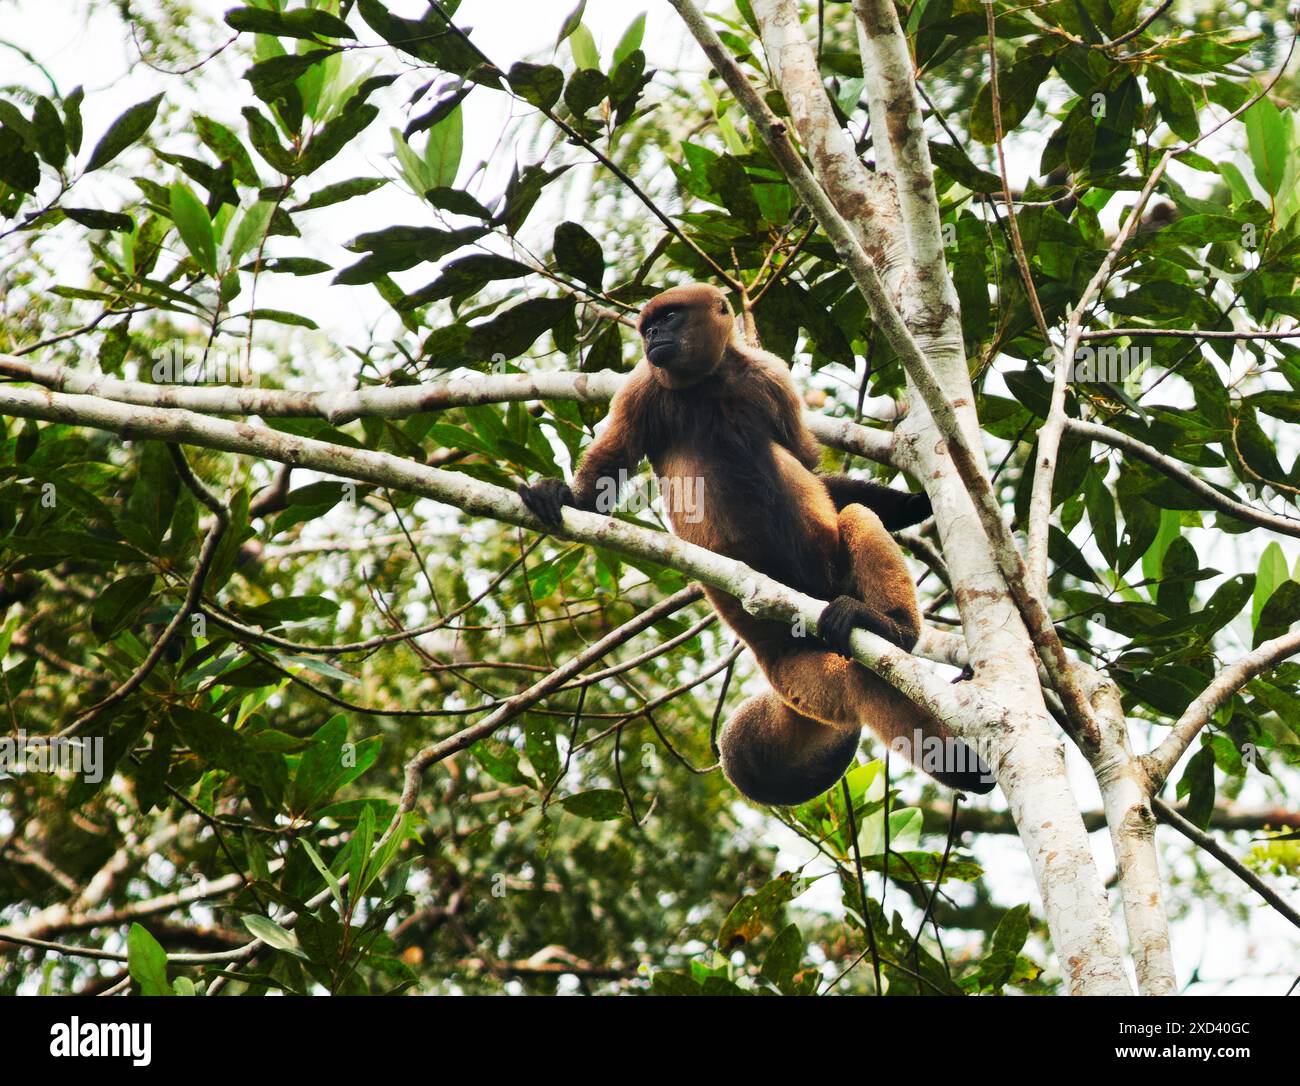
(664,318)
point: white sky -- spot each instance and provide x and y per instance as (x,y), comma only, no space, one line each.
(92,50)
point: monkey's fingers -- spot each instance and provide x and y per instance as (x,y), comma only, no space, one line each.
(545,500)
(534,503)
(841,617)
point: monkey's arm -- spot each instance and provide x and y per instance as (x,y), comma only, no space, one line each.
(607,461)
(895,508)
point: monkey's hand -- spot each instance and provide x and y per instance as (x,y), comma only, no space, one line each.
(545,498)
(843,615)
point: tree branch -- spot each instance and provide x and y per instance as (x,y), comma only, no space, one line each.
(1161,761)
(1171,817)
(397,402)
(760,595)
(1181,475)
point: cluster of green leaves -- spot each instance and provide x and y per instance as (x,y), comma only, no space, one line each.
(746,959)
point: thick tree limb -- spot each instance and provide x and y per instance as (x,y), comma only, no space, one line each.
(1031,769)
(398,402)
(981,820)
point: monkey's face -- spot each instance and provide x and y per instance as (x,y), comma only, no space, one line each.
(685,332)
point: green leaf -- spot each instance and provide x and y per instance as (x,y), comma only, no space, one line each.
(513,332)
(273,935)
(299,23)
(95,219)
(275,76)
(957,165)
(735,192)
(250,229)
(123,132)
(443,150)
(19,167)
(666,983)
(1017,89)
(571,22)
(583,47)
(329,764)
(154,492)
(340,191)
(457,202)
(1007,941)
(146,961)
(72,118)
(586,88)
(227,147)
(1197,782)
(783,958)
(578,254)
(118,604)
(598,804)
(194,225)
(539,84)
(294,265)
(630,41)
(1176,105)
(335,135)
(47,128)
(1279,614)
(222,747)
(1268,136)
(440,110)
(262,134)
(1271,573)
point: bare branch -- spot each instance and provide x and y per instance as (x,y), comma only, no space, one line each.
(397,402)
(1171,817)
(1179,474)
(1161,761)
(760,595)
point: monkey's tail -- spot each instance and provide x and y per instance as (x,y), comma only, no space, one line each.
(777,756)
(773,755)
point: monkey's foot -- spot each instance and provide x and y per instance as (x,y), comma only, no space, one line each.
(545,499)
(841,617)
(967,673)
(918,507)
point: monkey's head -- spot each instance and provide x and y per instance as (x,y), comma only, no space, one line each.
(685,331)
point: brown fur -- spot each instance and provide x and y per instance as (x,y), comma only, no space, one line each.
(709,407)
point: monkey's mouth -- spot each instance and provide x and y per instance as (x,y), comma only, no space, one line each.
(662,353)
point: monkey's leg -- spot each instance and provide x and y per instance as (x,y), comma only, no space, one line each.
(880,596)
(822,686)
(774,755)
(883,599)
(825,686)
